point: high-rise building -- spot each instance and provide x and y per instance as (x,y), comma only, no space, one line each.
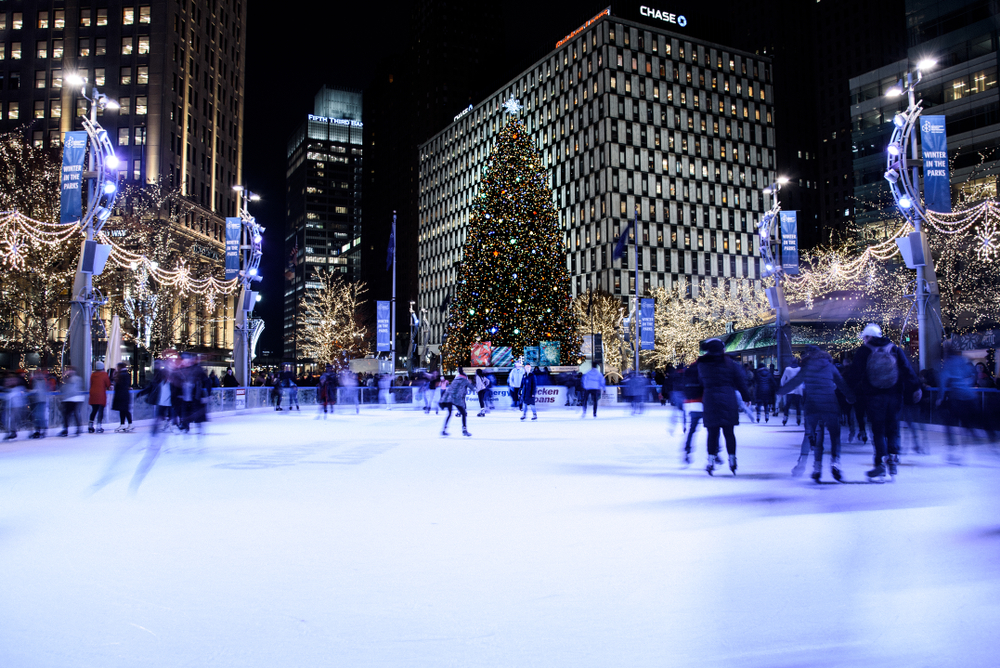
(964,40)
(323,202)
(626,114)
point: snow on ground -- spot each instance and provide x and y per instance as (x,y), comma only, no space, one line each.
(282,540)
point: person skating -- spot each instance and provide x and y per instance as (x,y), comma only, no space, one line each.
(39,399)
(327,390)
(879,372)
(514,381)
(14,399)
(100,383)
(821,380)
(693,407)
(958,377)
(121,400)
(482,387)
(593,387)
(454,397)
(793,398)
(721,378)
(71,394)
(528,387)
(764,390)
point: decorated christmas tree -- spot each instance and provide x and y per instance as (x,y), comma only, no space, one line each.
(513,287)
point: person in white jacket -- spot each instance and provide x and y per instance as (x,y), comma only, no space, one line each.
(793,398)
(514,382)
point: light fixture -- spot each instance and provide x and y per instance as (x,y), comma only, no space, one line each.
(254,198)
(253,272)
(768,267)
(238,189)
(102,214)
(256,238)
(258,297)
(782,180)
(926,64)
(111,104)
(767,191)
(75,80)
(109,187)
(895,91)
(905,202)
(899,120)
(894,148)
(112,161)
(892,176)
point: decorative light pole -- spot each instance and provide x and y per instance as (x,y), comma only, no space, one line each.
(769,241)
(102,189)
(247,330)
(903,176)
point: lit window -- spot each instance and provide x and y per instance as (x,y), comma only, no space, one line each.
(55,109)
(123,136)
(140,136)
(142,75)
(42,50)
(144,14)
(3,20)
(39,108)
(84,19)
(140,106)
(126,104)
(38,139)
(136,170)
(102,17)
(128,16)
(127,46)
(43,20)
(99,76)
(59,21)
(57,49)
(57,78)
(342,210)
(40,79)
(102,47)
(126,76)
(84,48)
(17,21)
(143,45)
(12,111)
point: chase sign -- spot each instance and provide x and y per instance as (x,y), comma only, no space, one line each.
(666,17)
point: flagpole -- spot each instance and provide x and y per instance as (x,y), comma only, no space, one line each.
(392,310)
(635,317)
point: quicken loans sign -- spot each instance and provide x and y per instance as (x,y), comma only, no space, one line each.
(666,17)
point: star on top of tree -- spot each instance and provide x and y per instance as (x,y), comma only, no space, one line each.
(512,106)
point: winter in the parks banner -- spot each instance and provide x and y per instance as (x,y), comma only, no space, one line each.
(789,221)
(647,330)
(74,151)
(233,227)
(382,325)
(937,182)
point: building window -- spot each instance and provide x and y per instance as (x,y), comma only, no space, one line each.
(40,79)
(55,109)
(57,78)
(57,49)
(137,170)
(140,136)
(84,48)
(126,105)
(102,47)
(17,21)
(142,75)
(39,109)
(123,136)
(84,19)
(99,76)
(42,49)
(143,45)
(140,106)
(102,17)
(12,111)
(43,20)
(127,46)
(128,16)
(59,21)
(38,139)
(144,14)
(126,76)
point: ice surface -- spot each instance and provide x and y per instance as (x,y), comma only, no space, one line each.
(371,541)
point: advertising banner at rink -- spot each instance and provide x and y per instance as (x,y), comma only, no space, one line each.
(647,328)
(789,221)
(382,326)
(71,182)
(233,227)
(937,180)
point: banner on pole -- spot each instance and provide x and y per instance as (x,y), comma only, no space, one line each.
(647,327)
(937,180)
(789,241)
(382,326)
(71,182)
(233,228)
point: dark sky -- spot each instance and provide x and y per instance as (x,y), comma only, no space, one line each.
(291,54)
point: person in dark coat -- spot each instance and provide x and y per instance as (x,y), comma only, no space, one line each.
(883,399)
(721,378)
(528,387)
(765,385)
(821,381)
(121,400)
(693,407)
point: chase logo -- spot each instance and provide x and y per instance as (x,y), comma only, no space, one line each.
(932,128)
(76,142)
(666,17)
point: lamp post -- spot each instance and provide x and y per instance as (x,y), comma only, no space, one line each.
(102,189)
(903,176)
(247,329)
(767,230)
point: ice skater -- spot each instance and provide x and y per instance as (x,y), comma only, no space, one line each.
(793,398)
(528,387)
(720,376)
(121,400)
(100,383)
(482,387)
(694,408)
(514,382)
(765,386)
(454,397)
(593,384)
(71,394)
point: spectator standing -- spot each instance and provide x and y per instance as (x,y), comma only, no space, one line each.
(100,383)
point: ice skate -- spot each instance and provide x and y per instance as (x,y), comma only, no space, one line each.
(481,414)
(444,432)
(718,460)
(785,421)
(534,417)
(64,432)
(800,466)
(835,470)
(100,430)
(710,467)
(523,418)
(119,429)
(90,429)
(892,461)
(877,474)
(465,432)
(817,470)
(732,463)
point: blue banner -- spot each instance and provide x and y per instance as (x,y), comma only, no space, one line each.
(233,227)
(647,326)
(937,181)
(382,326)
(789,222)
(71,204)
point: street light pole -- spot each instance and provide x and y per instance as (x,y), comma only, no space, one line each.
(768,240)
(246,329)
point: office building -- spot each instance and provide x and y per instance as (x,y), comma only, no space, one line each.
(323,202)
(963,39)
(625,113)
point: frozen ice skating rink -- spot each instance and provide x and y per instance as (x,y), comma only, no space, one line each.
(371,541)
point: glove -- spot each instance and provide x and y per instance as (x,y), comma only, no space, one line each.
(916,395)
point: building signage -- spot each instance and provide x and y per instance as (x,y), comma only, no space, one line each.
(233,228)
(647,325)
(71,202)
(382,326)
(666,17)
(606,12)
(937,181)
(464,112)
(789,221)
(336,121)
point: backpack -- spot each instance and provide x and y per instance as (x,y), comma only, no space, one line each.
(882,370)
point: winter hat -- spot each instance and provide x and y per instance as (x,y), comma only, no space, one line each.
(100,366)
(871,330)
(714,346)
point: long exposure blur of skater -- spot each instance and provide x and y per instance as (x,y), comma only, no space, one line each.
(454,397)
(721,378)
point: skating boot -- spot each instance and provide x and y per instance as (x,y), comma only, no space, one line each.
(10,437)
(119,429)
(784,421)
(877,474)
(800,466)
(710,467)
(687,458)
(481,414)
(817,470)
(892,461)
(100,430)
(863,435)
(835,470)
(444,432)
(718,460)
(534,417)
(732,463)
(465,432)
(90,429)
(64,432)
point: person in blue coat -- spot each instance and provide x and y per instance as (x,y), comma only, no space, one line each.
(528,387)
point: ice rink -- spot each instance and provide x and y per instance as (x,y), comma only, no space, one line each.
(282,540)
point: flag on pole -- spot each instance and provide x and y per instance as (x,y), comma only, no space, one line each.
(620,248)
(392,246)
(590,303)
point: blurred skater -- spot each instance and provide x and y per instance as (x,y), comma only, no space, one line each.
(121,400)
(528,387)
(793,398)
(694,409)
(764,390)
(454,397)
(593,384)
(71,394)
(720,376)
(514,381)
(482,387)
(958,377)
